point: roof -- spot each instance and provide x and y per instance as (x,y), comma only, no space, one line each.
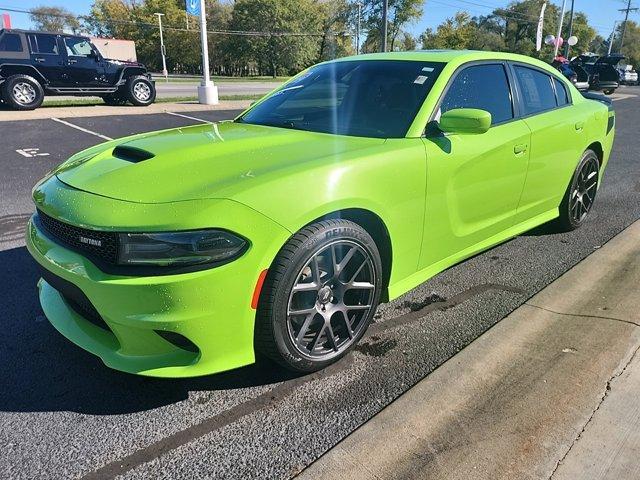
(20,30)
(447,56)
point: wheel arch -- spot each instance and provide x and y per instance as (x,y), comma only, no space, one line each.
(599,151)
(9,69)
(374,226)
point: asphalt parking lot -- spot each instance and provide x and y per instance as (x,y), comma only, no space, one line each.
(64,415)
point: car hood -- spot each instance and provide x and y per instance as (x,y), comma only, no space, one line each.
(204,161)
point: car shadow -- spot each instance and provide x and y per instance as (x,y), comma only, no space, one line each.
(43,372)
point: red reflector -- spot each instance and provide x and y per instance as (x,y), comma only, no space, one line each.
(258,289)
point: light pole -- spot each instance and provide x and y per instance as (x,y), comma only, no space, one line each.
(358,29)
(163,51)
(385,10)
(564,7)
(207,91)
(567,46)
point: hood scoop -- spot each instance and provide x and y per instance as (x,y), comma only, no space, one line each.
(131,154)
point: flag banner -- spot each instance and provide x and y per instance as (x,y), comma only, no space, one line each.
(540,26)
(193,7)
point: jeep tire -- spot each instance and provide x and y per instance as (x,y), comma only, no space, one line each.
(22,92)
(140,91)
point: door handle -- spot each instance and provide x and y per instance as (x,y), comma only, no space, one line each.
(71,62)
(579,126)
(39,59)
(520,149)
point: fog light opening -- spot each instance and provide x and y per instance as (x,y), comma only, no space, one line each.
(178,340)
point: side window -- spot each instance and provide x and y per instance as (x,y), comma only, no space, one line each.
(561,93)
(485,87)
(536,90)
(10,42)
(77,47)
(43,44)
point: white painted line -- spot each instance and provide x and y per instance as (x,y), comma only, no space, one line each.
(80,128)
(31,152)
(187,116)
(622,96)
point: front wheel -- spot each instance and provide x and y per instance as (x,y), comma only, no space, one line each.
(580,194)
(319,296)
(140,91)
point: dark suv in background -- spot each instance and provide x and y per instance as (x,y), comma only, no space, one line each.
(35,64)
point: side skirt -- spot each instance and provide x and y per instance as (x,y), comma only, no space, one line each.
(403,286)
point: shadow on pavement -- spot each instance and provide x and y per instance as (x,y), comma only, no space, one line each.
(42,371)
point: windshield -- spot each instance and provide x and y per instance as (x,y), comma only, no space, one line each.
(369,98)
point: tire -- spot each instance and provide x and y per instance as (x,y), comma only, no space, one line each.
(114,99)
(140,91)
(609,91)
(22,92)
(317,334)
(581,193)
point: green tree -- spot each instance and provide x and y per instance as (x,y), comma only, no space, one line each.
(53,19)
(401,13)
(291,41)
(457,33)
(631,47)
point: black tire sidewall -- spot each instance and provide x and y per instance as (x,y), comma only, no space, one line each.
(276,314)
(131,96)
(566,219)
(7,92)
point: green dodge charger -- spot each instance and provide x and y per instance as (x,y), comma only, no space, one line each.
(189,251)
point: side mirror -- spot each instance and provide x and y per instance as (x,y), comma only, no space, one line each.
(465,120)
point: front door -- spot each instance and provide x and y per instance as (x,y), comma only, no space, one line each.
(83,64)
(474,182)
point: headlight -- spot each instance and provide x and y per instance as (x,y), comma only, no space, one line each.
(179,248)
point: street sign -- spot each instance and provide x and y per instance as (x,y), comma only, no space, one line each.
(193,7)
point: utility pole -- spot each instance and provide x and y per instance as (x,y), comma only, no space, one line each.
(613,37)
(626,19)
(163,51)
(566,43)
(385,11)
(207,91)
(564,8)
(359,4)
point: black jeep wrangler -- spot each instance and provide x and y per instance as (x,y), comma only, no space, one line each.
(35,64)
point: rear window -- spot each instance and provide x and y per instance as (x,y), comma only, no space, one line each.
(10,42)
(43,44)
(535,87)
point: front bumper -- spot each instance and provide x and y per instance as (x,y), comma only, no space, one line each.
(211,308)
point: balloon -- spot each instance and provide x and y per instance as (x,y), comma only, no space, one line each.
(550,40)
(560,41)
(572,40)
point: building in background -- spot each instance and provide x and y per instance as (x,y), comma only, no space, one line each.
(116,49)
(5,20)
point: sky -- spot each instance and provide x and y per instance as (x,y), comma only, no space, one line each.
(602,13)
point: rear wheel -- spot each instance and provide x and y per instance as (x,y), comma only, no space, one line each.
(580,194)
(319,296)
(22,92)
(140,91)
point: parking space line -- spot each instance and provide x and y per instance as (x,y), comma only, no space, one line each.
(80,128)
(187,116)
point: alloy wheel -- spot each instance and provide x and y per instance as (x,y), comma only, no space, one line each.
(331,300)
(142,91)
(24,93)
(584,191)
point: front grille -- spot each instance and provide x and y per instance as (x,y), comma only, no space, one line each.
(93,243)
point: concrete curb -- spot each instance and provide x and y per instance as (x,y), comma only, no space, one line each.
(105,110)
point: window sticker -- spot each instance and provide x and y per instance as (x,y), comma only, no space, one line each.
(427,69)
(420,79)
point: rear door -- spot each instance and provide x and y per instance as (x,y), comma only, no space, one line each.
(557,138)
(46,57)
(474,182)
